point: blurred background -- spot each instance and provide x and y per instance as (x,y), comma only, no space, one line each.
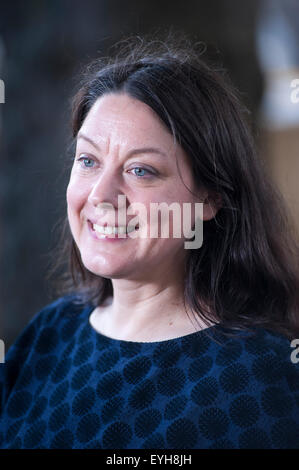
(43,46)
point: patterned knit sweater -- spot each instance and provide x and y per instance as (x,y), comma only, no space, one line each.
(64,385)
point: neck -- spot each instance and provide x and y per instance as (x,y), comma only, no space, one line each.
(139,303)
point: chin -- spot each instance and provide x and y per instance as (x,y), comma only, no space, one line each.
(103,268)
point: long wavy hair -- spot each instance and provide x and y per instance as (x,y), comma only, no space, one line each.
(246,272)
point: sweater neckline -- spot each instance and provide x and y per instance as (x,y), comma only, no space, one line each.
(189,336)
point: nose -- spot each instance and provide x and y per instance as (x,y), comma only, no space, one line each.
(105,190)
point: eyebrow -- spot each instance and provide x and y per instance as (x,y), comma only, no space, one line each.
(131,152)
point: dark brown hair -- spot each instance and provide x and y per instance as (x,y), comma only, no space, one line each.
(246,271)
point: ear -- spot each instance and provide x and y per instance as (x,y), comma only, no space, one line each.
(211,205)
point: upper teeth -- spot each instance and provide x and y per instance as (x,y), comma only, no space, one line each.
(109,229)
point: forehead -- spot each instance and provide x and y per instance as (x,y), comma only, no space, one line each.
(127,121)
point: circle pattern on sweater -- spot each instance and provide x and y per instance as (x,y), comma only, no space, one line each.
(67,386)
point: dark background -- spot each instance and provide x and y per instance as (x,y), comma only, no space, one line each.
(43,45)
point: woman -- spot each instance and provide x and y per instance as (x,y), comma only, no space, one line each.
(154,345)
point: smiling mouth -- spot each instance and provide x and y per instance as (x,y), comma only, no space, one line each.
(112,231)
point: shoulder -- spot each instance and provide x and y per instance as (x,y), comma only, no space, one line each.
(268,356)
(254,342)
(244,360)
(50,316)
(248,383)
(259,377)
(48,331)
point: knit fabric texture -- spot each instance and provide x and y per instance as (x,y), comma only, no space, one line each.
(64,385)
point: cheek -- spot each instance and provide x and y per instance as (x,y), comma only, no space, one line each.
(75,201)
(169,197)
(167,250)
(75,196)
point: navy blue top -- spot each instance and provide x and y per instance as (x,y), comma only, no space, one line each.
(64,385)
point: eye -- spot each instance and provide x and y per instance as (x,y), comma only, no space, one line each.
(86,163)
(140,171)
(84,159)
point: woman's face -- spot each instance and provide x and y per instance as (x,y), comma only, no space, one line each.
(105,167)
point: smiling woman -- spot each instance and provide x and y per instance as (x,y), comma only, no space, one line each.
(150,344)
(121,125)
